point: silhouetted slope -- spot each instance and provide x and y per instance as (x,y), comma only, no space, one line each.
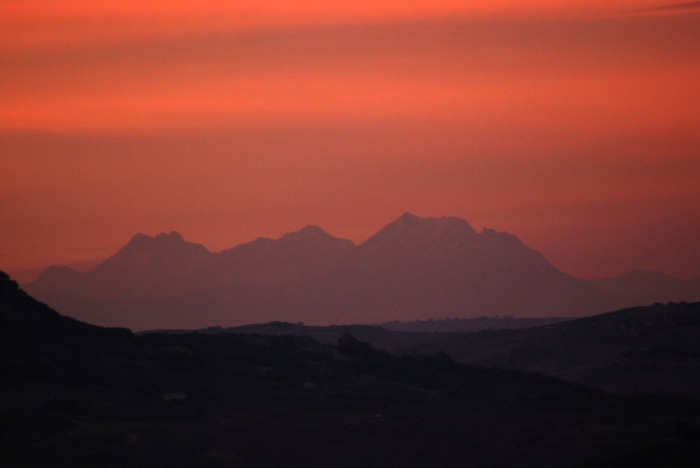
(391,336)
(455,325)
(653,349)
(81,399)
(378,337)
(26,323)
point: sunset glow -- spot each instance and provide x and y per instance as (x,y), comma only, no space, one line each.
(572,125)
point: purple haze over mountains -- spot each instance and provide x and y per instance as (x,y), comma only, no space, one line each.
(415,268)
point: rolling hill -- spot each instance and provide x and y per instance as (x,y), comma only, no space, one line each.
(80,395)
(652,349)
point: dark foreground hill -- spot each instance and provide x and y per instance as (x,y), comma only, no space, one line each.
(654,349)
(81,396)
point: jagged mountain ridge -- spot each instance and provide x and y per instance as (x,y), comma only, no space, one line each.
(271,261)
(28,324)
(414,268)
(159,266)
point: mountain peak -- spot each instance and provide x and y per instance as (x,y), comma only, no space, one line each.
(445,222)
(307,232)
(163,238)
(408,217)
(143,249)
(313,235)
(172,237)
(172,241)
(413,229)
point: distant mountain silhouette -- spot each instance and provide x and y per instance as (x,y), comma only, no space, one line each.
(159,266)
(441,267)
(309,251)
(414,268)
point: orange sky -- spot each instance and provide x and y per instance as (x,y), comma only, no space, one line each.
(573,125)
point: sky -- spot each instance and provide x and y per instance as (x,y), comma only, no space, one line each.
(574,125)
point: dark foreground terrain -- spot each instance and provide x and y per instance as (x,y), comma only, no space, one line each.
(76,395)
(652,349)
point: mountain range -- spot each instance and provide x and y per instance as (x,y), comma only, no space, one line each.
(413,269)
